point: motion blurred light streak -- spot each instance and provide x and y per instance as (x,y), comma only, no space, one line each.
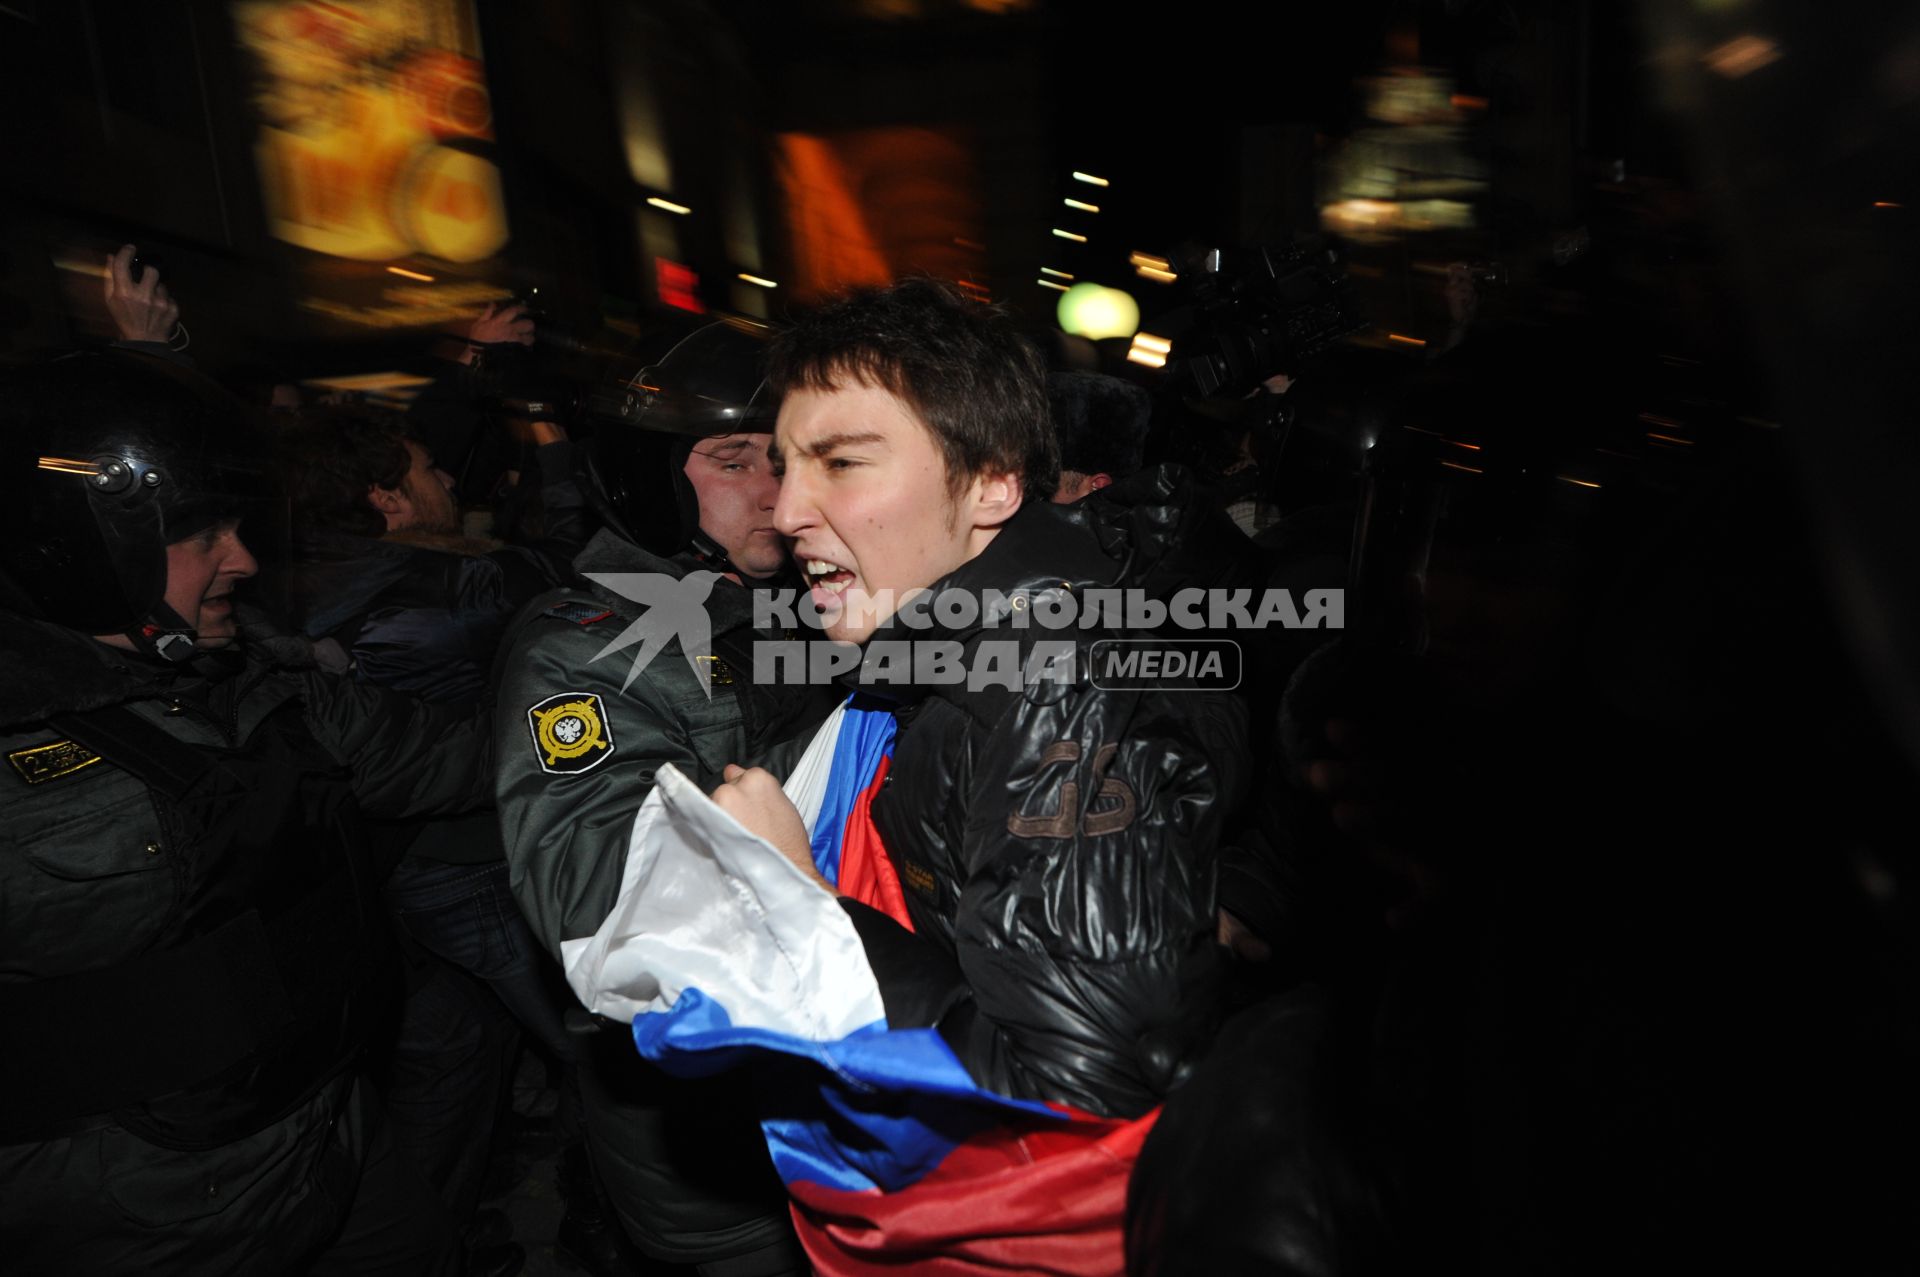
(1147,266)
(1149,350)
(1742,55)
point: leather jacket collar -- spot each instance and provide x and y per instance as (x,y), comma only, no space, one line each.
(1044,549)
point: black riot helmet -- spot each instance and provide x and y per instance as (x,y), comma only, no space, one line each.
(106,458)
(712,383)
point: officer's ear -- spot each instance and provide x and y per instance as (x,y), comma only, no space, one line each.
(393,504)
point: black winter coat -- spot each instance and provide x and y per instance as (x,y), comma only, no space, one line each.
(419,617)
(1056,844)
(423,618)
(196,963)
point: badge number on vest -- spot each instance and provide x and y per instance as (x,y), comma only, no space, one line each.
(43,763)
(570,733)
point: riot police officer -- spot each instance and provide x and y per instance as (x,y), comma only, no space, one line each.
(684,486)
(191,947)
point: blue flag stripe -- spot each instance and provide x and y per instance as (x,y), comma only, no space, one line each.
(866,736)
(877,1109)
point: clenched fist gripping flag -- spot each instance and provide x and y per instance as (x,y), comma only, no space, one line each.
(724,955)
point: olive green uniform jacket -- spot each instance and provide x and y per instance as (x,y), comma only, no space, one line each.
(580,737)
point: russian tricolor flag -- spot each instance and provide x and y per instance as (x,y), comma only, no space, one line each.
(723,955)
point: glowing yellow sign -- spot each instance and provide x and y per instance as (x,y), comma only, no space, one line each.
(369,113)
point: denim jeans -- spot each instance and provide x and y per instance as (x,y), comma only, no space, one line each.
(478,971)
(445,1079)
(466,915)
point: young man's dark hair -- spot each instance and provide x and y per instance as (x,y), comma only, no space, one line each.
(958,364)
(333,457)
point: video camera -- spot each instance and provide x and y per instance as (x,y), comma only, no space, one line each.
(1259,311)
(556,378)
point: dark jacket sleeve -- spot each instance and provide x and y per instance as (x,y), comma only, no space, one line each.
(157,350)
(434,632)
(407,757)
(1084,937)
(920,983)
(563,505)
(566,826)
(444,417)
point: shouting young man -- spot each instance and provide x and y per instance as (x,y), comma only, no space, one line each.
(1054,841)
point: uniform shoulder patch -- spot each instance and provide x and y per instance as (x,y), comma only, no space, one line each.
(570,733)
(38,764)
(578,613)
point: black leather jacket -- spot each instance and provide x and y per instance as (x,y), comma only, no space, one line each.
(1057,845)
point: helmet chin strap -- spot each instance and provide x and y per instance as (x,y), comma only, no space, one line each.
(711,556)
(705,549)
(166,634)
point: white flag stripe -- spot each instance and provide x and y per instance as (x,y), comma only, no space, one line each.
(705,904)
